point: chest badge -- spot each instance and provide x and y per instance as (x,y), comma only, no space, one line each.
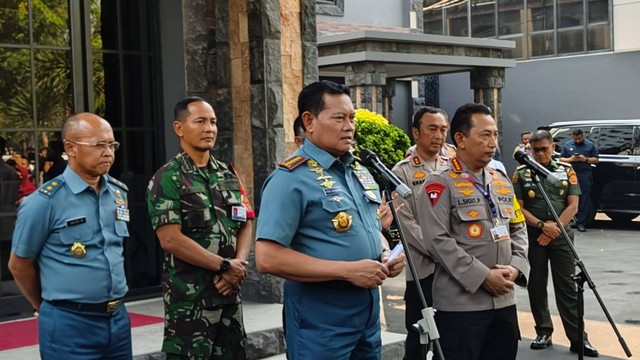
(474,230)
(531,194)
(78,250)
(466,192)
(342,222)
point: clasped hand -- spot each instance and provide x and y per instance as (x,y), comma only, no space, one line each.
(500,280)
(229,282)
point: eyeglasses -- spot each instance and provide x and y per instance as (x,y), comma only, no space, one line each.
(99,145)
(540,149)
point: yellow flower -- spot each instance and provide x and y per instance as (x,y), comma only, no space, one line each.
(366,115)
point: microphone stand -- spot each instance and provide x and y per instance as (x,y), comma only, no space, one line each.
(580,278)
(427,325)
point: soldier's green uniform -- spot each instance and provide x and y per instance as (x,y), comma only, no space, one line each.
(200,323)
(557,252)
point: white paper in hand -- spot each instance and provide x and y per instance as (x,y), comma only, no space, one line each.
(396,251)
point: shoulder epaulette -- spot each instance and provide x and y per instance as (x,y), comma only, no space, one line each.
(521,167)
(117,182)
(403,161)
(563,164)
(49,188)
(293,162)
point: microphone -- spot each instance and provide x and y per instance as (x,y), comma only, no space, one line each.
(370,159)
(524,159)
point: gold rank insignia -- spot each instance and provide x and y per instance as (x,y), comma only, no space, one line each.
(531,194)
(453,175)
(342,221)
(312,163)
(78,250)
(327,183)
(462,183)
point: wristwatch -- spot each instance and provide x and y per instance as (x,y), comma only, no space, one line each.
(224,265)
(540,225)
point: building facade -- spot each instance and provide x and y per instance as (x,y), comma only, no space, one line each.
(130,62)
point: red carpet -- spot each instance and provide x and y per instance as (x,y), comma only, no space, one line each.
(23,333)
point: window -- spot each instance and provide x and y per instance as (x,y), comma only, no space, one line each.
(540,28)
(330,7)
(618,140)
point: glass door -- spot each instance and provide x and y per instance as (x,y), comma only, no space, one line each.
(60,57)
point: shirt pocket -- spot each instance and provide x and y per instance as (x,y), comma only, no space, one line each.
(505,206)
(472,213)
(122,229)
(196,211)
(335,207)
(78,233)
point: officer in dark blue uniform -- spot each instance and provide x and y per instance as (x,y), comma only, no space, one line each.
(319,229)
(66,254)
(581,153)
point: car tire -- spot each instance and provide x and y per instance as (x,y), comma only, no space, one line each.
(620,217)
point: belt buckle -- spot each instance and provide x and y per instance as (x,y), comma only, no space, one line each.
(113,305)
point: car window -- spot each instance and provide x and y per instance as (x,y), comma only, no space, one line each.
(563,134)
(619,140)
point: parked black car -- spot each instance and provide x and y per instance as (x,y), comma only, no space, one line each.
(616,178)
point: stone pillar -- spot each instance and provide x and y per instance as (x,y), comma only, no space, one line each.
(282,59)
(417,13)
(367,82)
(388,92)
(487,84)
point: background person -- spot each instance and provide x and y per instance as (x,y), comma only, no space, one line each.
(54,162)
(479,241)
(201,215)
(524,142)
(429,130)
(547,244)
(581,153)
(319,229)
(66,254)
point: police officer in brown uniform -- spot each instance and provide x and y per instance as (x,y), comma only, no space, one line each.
(547,245)
(429,131)
(479,241)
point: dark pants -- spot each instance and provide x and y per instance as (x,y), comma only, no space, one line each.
(562,268)
(70,335)
(413,350)
(479,335)
(585,181)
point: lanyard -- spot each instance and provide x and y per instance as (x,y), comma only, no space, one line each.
(487,196)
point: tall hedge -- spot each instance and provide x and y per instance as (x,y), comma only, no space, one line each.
(375,133)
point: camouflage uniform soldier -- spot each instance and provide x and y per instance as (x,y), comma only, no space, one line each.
(200,213)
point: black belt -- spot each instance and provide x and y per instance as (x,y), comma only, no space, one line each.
(105,307)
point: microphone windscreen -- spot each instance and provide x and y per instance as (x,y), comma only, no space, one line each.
(519,155)
(366,156)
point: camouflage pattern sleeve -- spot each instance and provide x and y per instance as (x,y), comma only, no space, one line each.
(163,199)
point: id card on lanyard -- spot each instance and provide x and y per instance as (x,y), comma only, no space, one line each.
(499,232)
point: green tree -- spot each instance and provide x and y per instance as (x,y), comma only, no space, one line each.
(375,133)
